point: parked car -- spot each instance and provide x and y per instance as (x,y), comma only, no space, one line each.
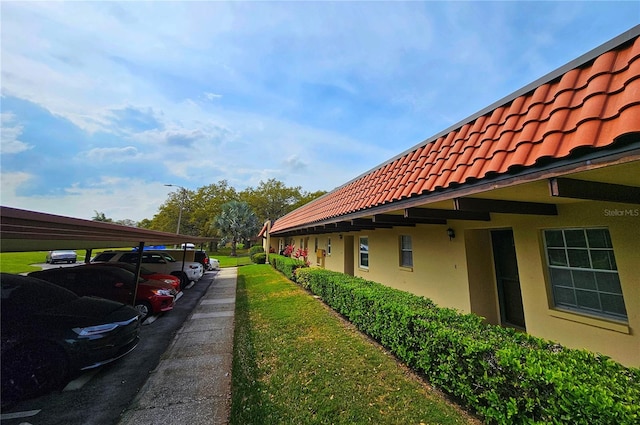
(157,261)
(174,281)
(194,267)
(49,334)
(207,263)
(61,257)
(113,283)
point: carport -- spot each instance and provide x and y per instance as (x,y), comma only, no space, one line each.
(27,231)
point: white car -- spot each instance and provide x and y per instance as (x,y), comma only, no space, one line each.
(157,261)
(61,257)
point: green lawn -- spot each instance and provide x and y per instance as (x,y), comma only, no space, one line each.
(297,362)
(20,262)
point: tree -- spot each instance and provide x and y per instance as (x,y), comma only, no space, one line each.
(207,202)
(272,199)
(100,216)
(307,197)
(236,222)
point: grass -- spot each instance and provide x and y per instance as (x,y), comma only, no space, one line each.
(227,261)
(20,262)
(295,361)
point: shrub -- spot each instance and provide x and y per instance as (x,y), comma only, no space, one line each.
(256,250)
(286,265)
(259,258)
(505,376)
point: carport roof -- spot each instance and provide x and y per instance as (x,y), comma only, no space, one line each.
(23,230)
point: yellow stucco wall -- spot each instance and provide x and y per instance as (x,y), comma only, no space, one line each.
(460,273)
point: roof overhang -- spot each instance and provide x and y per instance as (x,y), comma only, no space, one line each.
(24,231)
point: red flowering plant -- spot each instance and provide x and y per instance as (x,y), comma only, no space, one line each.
(301,254)
(287,250)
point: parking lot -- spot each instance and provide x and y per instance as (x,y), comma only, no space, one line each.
(100,396)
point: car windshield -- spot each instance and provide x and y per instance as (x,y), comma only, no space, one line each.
(32,294)
(168,257)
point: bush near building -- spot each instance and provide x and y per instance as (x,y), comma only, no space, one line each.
(287,265)
(506,376)
(257,254)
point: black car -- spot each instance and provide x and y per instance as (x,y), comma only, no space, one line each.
(50,334)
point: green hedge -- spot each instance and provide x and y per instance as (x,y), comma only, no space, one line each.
(257,255)
(259,258)
(286,265)
(506,376)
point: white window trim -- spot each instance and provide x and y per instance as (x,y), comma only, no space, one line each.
(402,251)
(571,309)
(360,252)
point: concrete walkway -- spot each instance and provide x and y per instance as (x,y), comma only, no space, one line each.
(192,383)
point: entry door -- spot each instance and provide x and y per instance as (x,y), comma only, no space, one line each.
(506,264)
(348,255)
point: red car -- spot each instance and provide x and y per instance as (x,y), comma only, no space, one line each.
(147,274)
(113,283)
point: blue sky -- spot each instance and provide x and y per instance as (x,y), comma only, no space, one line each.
(104,103)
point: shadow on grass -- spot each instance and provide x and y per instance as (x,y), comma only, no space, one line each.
(249,401)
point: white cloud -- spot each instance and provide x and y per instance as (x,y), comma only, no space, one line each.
(9,136)
(119,198)
(212,96)
(310,93)
(126,153)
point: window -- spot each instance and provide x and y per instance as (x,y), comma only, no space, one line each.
(364,252)
(583,272)
(315,245)
(406,251)
(328,246)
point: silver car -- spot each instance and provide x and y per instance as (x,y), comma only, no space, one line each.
(61,257)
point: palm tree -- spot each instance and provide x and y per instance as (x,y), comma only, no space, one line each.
(236,222)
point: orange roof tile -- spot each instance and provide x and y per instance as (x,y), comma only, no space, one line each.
(587,106)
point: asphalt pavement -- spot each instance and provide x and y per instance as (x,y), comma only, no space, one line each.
(192,382)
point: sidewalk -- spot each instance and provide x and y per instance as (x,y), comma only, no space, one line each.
(192,383)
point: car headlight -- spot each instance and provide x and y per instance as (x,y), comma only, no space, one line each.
(161,292)
(169,281)
(95,330)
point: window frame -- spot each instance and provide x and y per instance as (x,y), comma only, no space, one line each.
(592,276)
(328,246)
(402,250)
(362,252)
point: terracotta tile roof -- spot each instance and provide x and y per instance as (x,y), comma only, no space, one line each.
(587,106)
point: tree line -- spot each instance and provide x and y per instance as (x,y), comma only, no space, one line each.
(216,209)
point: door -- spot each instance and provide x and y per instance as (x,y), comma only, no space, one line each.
(348,255)
(507,278)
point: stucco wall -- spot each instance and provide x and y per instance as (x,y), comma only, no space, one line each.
(459,273)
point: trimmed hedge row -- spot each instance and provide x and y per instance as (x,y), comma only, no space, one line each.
(286,265)
(506,376)
(257,254)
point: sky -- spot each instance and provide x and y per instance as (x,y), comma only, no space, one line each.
(104,103)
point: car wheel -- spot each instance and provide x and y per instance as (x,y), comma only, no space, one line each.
(144,309)
(32,370)
(184,280)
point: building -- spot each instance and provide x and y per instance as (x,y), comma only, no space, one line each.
(526,213)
